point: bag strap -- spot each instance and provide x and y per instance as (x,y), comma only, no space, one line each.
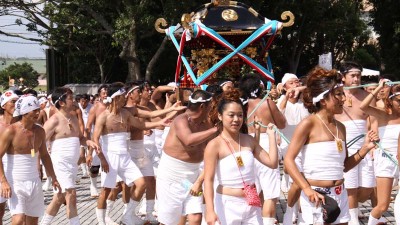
(228,143)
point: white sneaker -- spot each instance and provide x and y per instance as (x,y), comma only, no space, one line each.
(151,219)
(109,221)
(93,192)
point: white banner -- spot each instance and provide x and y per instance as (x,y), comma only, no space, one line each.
(325,61)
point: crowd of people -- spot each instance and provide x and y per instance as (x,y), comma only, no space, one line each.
(206,156)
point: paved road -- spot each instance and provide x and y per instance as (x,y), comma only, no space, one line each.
(87,205)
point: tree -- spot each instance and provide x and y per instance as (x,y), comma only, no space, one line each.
(17,71)
(320,27)
(386,22)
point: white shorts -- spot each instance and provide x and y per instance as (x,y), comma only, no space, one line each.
(174,180)
(26,198)
(338,193)
(121,165)
(235,211)
(66,172)
(159,141)
(384,167)
(141,157)
(362,175)
(174,201)
(267,180)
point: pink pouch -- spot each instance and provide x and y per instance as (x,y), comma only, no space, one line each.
(251,194)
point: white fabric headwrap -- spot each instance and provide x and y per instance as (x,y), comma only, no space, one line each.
(26,104)
(394,95)
(254,93)
(317,99)
(194,101)
(223,83)
(117,93)
(42,100)
(287,77)
(7,96)
(132,89)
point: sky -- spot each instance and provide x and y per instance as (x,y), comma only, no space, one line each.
(11,47)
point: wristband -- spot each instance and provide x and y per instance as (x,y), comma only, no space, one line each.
(358,153)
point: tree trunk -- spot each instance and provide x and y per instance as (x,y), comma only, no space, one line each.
(101,69)
(133,71)
(154,59)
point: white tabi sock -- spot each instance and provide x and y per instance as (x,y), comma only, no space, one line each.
(84,169)
(372,220)
(110,205)
(125,208)
(354,217)
(288,216)
(93,182)
(268,221)
(74,221)
(46,219)
(101,214)
(150,206)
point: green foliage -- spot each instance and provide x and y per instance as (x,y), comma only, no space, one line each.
(320,27)
(386,22)
(17,71)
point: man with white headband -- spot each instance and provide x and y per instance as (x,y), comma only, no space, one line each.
(65,136)
(93,161)
(7,101)
(23,142)
(292,107)
(267,179)
(112,125)
(178,180)
(136,144)
(226,85)
(359,181)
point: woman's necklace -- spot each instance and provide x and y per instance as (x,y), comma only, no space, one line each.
(339,142)
(239,160)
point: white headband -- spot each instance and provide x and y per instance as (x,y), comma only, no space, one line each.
(194,101)
(254,93)
(121,91)
(351,70)
(59,98)
(132,89)
(223,83)
(317,99)
(394,95)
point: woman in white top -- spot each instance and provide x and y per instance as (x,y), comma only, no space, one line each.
(230,156)
(321,139)
(385,160)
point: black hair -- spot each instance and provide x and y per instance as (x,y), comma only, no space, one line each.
(78,97)
(348,65)
(85,96)
(114,87)
(250,86)
(31,92)
(103,86)
(60,95)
